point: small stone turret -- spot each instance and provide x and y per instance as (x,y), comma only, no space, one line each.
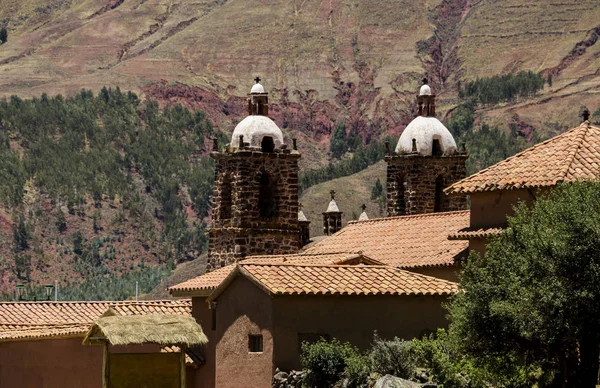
(363,215)
(332,217)
(304,227)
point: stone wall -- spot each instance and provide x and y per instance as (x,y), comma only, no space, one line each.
(412,180)
(240,227)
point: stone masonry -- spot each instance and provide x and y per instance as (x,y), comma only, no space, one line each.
(241,225)
(416,182)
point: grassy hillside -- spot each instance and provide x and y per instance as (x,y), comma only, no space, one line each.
(351,192)
(324,62)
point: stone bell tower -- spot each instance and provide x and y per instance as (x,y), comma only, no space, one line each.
(425,162)
(255,204)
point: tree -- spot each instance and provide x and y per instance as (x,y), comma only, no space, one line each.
(549,80)
(3,35)
(338,146)
(61,221)
(535,295)
(20,235)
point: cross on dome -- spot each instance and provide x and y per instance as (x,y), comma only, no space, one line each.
(257,79)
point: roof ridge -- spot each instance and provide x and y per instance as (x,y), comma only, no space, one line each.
(318,265)
(422,215)
(298,254)
(450,189)
(576,146)
(45,302)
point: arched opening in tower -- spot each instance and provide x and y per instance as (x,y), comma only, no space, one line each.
(266,197)
(436,148)
(401,201)
(267,144)
(226,202)
(440,197)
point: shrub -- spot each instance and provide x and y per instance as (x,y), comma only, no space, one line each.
(326,362)
(357,371)
(395,357)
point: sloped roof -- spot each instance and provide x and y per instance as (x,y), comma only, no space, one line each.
(311,279)
(405,241)
(34,320)
(204,284)
(470,233)
(160,329)
(571,156)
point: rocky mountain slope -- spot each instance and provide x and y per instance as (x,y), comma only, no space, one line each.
(323,61)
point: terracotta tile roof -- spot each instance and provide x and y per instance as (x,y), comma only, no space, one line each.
(405,241)
(204,284)
(307,279)
(30,320)
(571,156)
(469,233)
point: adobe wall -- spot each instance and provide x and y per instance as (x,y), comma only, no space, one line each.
(420,173)
(204,376)
(350,318)
(51,363)
(243,309)
(492,208)
(238,229)
(447,272)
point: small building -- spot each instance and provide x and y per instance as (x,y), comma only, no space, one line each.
(571,156)
(41,342)
(129,359)
(262,311)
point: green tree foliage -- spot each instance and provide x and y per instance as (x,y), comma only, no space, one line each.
(485,145)
(20,235)
(377,190)
(3,35)
(449,367)
(394,357)
(549,80)
(362,158)
(596,117)
(326,361)
(535,296)
(12,172)
(93,147)
(61,221)
(338,145)
(500,88)
(23,266)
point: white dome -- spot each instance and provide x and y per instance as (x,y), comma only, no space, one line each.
(425,91)
(255,128)
(257,88)
(424,130)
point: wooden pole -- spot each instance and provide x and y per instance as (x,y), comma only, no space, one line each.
(182,371)
(105,367)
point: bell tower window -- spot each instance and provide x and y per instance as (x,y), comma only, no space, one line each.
(225,205)
(401,201)
(266,197)
(267,144)
(439,194)
(436,148)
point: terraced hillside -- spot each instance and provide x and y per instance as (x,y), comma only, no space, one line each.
(324,61)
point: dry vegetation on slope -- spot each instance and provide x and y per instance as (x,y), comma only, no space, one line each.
(324,61)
